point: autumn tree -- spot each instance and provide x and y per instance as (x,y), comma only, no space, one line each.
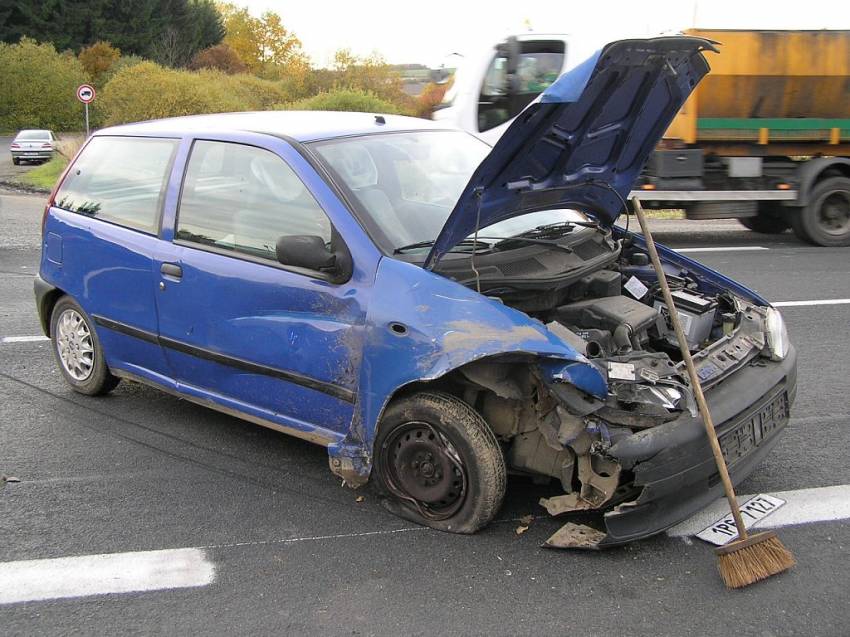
(98,58)
(264,44)
(220,57)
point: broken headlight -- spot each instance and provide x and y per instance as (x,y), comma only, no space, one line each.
(777,334)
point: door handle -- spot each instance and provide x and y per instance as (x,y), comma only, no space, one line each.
(171,269)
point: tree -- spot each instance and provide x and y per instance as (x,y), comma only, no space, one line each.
(370,74)
(176,29)
(220,57)
(98,58)
(263,44)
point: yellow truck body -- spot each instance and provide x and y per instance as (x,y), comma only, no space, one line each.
(771,93)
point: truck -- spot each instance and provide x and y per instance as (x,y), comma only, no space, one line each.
(764,138)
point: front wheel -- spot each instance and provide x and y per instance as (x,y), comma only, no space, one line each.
(77,349)
(826,220)
(437,463)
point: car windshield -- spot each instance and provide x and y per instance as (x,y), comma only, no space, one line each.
(31,135)
(408,183)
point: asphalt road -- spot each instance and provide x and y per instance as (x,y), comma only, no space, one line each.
(293,551)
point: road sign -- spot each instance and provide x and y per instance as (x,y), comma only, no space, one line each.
(85,93)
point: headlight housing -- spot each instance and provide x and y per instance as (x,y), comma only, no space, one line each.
(777,335)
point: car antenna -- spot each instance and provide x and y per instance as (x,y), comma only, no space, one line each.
(380,119)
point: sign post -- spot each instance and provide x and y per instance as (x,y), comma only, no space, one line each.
(85,93)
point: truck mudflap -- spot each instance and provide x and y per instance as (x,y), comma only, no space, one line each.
(674,474)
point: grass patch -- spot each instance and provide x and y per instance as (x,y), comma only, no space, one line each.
(670,213)
(44,176)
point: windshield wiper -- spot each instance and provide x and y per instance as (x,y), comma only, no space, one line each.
(471,243)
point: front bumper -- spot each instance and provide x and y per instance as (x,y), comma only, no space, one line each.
(672,464)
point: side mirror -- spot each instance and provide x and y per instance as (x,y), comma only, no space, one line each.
(510,49)
(305,251)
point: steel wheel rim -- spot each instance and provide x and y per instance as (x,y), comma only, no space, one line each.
(75,345)
(422,467)
(834,213)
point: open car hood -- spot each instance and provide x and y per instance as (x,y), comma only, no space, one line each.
(585,140)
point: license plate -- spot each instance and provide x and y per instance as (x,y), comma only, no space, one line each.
(30,154)
(756,508)
(749,434)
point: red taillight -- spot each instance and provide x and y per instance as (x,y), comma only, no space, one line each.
(15,145)
(46,146)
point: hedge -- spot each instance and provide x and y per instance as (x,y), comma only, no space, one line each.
(343,100)
(39,87)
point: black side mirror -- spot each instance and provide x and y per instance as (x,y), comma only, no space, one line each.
(510,49)
(305,251)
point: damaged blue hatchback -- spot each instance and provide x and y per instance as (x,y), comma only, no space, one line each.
(435,312)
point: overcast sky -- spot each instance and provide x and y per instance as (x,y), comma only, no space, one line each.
(428,31)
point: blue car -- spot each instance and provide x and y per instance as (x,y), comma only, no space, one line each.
(435,312)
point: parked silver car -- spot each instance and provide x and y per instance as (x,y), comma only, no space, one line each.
(33,145)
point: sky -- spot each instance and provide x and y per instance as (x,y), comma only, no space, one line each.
(429,32)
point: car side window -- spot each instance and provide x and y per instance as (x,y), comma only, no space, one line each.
(120,180)
(538,66)
(243,199)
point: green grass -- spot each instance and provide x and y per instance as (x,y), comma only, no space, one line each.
(670,213)
(45,175)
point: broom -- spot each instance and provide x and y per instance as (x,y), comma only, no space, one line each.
(750,558)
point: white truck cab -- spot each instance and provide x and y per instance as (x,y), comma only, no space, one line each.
(494,84)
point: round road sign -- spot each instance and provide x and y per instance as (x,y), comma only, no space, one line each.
(85,93)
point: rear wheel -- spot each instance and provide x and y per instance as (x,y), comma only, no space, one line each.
(16,161)
(826,220)
(770,219)
(78,351)
(437,463)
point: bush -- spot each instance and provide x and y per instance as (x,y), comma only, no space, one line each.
(39,87)
(430,97)
(343,100)
(149,91)
(98,58)
(219,57)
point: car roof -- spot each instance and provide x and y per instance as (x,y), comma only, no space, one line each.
(33,130)
(303,126)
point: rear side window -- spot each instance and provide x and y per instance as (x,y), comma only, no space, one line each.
(243,199)
(120,180)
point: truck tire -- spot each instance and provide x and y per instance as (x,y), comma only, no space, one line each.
(826,220)
(770,219)
(437,463)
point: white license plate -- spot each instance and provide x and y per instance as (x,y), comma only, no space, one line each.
(30,154)
(756,508)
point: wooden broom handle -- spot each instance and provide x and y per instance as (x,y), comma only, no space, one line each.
(692,373)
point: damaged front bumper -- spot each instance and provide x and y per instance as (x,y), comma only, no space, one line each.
(673,469)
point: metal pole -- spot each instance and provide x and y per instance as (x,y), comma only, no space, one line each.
(87,120)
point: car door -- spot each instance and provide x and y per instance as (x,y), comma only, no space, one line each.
(100,239)
(237,326)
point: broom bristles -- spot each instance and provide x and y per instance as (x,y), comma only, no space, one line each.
(758,557)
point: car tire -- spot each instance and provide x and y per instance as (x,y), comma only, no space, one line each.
(78,351)
(826,220)
(770,219)
(16,161)
(438,464)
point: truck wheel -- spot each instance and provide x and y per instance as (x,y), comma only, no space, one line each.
(765,223)
(826,220)
(77,350)
(438,464)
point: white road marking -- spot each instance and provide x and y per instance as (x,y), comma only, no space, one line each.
(34,580)
(803,506)
(23,339)
(807,303)
(318,538)
(721,249)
